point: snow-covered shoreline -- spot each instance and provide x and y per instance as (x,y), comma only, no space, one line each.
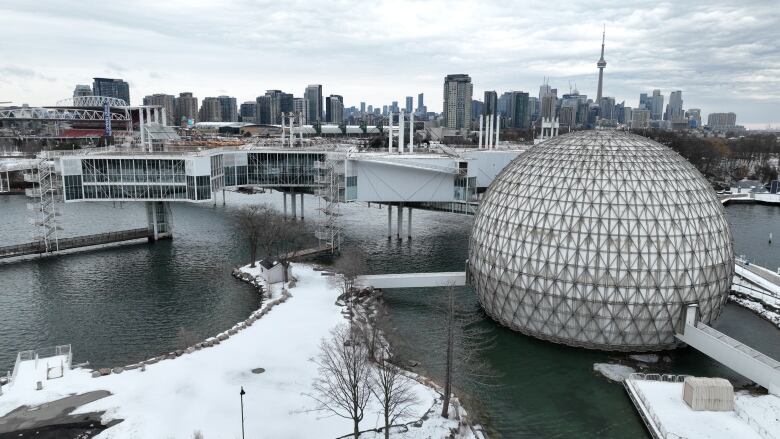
(176,394)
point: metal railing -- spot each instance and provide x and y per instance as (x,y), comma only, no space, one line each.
(37,354)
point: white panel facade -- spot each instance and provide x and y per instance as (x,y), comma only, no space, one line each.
(597,239)
(382,182)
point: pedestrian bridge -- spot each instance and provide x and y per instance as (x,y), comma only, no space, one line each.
(739,357)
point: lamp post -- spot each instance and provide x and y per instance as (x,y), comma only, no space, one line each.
(242,393)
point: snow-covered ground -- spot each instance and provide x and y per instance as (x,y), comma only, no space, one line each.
(663,403)
(199,391)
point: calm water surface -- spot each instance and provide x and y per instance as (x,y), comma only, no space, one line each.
(121,305)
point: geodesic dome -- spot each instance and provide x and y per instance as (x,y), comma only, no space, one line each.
(597,239)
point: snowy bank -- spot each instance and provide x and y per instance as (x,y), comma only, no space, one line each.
(613,372)
(199,391)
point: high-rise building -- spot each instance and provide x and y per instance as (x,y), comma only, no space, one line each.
(228,108)
(115,88)
(421,104)
(601,64)
(694,115)
(263,111)
(384,110)
(457,101)
(518,110)
(491,102)
(168,102)
(568,116)
(409,104)
(394,107)
(477,108)
(628,114)
(722,121)
(248,111)
(210,110)
(607,108)
(657,105)
(640,119)
(549,101)
(82,90)
(370,109)
(186,109)
(313,97)
(334,109)
(534,107)
(299,108)
(674,109)
(645,102)
(362,107)
(280,103)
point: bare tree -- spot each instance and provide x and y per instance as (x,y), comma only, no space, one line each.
(252,223)
(463,340)
(393,390)
(269,234)
(343,386)
(350,264)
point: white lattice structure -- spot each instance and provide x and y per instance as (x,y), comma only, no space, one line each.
(597,239)
(92,101)
(37,113)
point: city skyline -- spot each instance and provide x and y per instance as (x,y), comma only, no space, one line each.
(695,48)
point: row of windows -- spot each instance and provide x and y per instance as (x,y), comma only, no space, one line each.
(198,188)
(129,191)
(133,170)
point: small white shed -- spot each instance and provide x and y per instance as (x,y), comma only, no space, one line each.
(272,272)
(715,394)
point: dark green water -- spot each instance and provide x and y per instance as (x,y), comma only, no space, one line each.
(121,305)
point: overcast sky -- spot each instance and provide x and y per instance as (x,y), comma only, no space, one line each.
(723,55)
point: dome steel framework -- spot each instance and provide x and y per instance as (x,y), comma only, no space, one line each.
(597,239)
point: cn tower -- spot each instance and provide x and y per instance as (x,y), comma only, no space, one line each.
(601,64)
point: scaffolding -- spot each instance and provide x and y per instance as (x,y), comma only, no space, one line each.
(46,190)
(330,179)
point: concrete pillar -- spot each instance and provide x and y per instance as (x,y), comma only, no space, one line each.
(489,132)
(390,135)
(164,117)
(301,206)
(409,223)
(284,125)
(411,132)
(284,204)
(498,129)
(389,221)
(401,132)
(300,130)
(481,121)
(292,198)
(291,145)
(400,219)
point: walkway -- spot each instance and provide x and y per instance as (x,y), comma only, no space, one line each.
(32,248)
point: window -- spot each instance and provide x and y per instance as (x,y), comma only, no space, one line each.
(73,187)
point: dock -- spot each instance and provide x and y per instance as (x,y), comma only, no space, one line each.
(38,247)
(659,401)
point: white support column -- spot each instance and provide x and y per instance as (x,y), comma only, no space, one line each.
(401,132)
(498,129)
(409,223)
(164,118)
(390,134)
(157,115)
(411,132)
(292,119)
(481,121)
(389,221)
(301,206)
(141,128)
(489,132)
(300,127)
(284,204)
(400,219)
